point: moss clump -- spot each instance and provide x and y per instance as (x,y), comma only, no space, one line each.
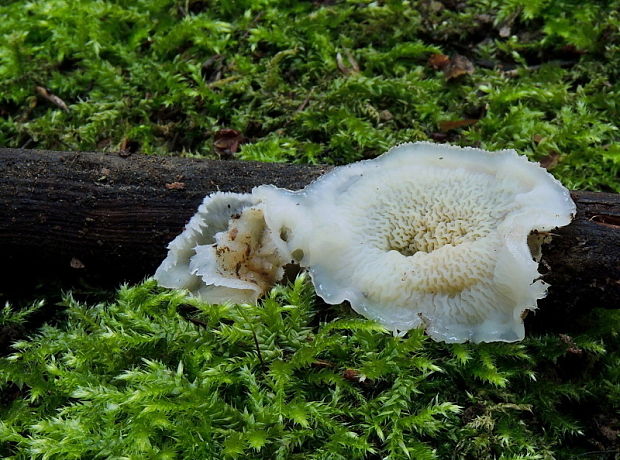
(315,81)
(157,375)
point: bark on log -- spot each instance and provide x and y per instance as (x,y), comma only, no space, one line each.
(109,218)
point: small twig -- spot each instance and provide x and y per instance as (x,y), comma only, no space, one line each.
(609,221)
(258,352)
(197,322)
(513,73)
(50,97)
(185,308)
(223,81)
(301,107)
(304,104)
(27,144)
(249,28)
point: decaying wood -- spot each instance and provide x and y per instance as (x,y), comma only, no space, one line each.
(107,217)
(110,217)
(582,262)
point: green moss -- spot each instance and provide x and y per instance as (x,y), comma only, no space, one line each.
(315,82)
(158,375)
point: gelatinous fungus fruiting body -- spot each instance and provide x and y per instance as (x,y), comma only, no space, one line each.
(226,253)
(425,235)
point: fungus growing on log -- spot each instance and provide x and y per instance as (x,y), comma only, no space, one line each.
(225,253)
(426,235)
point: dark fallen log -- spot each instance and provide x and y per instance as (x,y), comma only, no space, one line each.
(104,218)
(108,218)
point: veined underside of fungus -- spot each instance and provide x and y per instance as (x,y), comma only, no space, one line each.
(425,235)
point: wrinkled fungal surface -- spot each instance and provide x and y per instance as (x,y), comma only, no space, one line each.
(432,236)
(226,253)
(246,256)
(427,236)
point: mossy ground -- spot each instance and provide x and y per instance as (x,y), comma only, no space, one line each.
(155,375)
(323,81)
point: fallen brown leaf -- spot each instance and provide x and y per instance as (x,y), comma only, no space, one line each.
(352,375)
(458,65)
(438,61)
(550,161)
(175,186)
(446,126)
(322,363)
(226,142)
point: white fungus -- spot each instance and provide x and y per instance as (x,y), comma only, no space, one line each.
(226,253)
(427,236)
(432,236)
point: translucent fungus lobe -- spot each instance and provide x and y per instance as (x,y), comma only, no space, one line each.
(427,235)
